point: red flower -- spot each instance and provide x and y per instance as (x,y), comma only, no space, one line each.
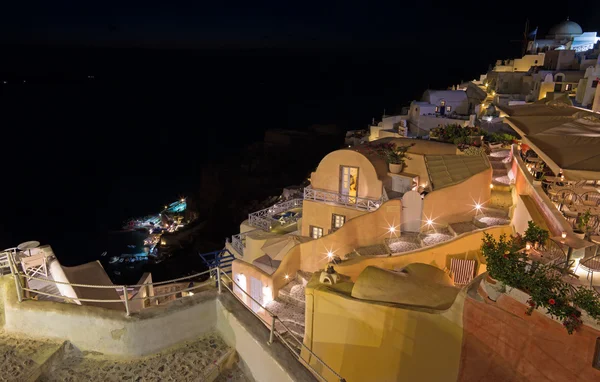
(531,303)
(505,256)
(551,301)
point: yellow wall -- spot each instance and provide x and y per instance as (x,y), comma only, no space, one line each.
(416,165)
(327,176)
(455,204)
(545,87)
(466,246)
(368,229)
(365,341)
(319,214)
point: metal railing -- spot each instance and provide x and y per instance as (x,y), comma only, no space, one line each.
(238,243)
(263,219)
(359,203)
(273,331)
(18,277)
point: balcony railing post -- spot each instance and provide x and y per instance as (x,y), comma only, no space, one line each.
(219,278)
(272,333)
(18,286)
(126,299)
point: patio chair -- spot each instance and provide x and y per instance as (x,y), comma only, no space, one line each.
(591,265)
(590,198)
(462,270)
(565,196)
(35,265)
(554,253)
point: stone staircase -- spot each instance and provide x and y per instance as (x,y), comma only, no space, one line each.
(501,198)
(289,306)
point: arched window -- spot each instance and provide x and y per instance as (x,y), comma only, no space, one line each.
(559,77)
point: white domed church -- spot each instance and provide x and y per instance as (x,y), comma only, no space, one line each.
(566,35)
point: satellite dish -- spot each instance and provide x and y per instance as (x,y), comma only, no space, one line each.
(28,245)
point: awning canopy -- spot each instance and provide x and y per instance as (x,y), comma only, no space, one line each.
(544,107)
(568,144)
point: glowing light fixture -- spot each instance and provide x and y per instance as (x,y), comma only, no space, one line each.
(392,229)
(330,255)
(491,186)
(287,277)
(478,206)
(267,295)
(528,246)
(564,235)
(182,200)
(429,222)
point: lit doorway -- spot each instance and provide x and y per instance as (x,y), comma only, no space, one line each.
(349,184)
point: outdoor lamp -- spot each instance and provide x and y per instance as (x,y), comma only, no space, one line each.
(564,235)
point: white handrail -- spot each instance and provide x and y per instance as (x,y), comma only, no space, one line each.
(20,288)
(273,330)
(357,202)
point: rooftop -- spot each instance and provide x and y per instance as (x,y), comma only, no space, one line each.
(448,170)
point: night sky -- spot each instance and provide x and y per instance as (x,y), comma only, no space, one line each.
(181,85)
(193,23)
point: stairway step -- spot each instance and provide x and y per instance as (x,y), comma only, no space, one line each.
(498,164)
(303,277)
(296,329)
(293,343)
(293,292)
(291,300)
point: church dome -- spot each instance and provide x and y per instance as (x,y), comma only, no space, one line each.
(566,28)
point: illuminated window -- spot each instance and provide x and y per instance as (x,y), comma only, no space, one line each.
(448,108)
(443,102)
(337,221)
(568,87)
(437,109)
(316,232)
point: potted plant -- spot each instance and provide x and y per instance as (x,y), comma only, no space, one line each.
(394,155)
(544,284)
(582,224)
(496,252)
(535,234)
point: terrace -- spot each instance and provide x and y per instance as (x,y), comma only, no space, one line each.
(362,204)
(281,217)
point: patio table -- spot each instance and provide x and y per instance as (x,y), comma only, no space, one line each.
(581,209)
(573,243)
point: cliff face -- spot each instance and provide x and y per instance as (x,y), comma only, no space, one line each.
(240,182)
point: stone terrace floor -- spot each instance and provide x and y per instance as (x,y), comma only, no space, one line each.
(21,356)
(189,361)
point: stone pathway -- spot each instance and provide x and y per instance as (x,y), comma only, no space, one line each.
(289,306)
(190,361)
(20,356)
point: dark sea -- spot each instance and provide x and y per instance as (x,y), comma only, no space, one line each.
(94,136)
